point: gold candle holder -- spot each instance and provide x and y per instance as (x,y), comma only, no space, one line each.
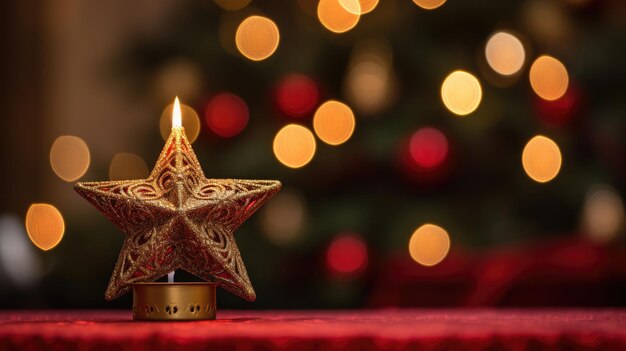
(174,301)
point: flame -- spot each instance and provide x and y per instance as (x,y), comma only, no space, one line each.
(177,121)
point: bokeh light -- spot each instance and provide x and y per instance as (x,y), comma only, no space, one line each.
(376,50)
(370,83)
(19,261)
(428,147)
(352,6)
(44,225)
(232,5)
(561,111)
(283,218)
(334,122)
(461,93)
(369,87)
(505,53)
(429,244)
(226,115)
(334,17)
(69,157)
(603,214)
(126,166)
(549,23)
(548,78)
(257,38)
(191,122)
(429,4)
(178,77)
(297,95)
(359,7)
(368,6)
(347,255)
(294,146)
(541,159)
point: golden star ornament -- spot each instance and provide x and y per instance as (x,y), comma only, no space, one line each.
(178,219)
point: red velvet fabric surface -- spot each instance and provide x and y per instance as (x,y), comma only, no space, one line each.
(562,272)
(401,329)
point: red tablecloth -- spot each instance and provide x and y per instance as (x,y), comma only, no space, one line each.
(320,330)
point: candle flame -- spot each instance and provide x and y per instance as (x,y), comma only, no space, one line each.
(177,121)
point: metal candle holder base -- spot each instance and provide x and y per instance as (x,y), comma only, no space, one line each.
(174,301)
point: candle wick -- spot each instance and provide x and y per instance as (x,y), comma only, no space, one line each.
(170,277)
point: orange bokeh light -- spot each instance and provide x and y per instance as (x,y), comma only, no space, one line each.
(548,78)
(257,38)
(294,146)
(334,122)
(429,4)
(44,225)
(69,157)
(429,244)
(334,16)
(541,159)
(359,7)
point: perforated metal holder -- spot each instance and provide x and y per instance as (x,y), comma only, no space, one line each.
(174,301)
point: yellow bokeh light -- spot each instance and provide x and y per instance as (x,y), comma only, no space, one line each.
(190,119)
(44,225)
(232,5)
(334,16)
(69,157)
(125,166)
(461,93)
(548,78)
(541,159)
(352,6)
(361,7)
(429,245)
(505,53)
(429,4)
(334,122)
(294,146)
(257,38)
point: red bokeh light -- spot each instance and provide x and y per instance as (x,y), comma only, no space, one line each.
(347,254)
(560,111)
(428,148)
(297,95)
(226,115)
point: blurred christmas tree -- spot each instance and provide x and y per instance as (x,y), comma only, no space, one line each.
(422,150)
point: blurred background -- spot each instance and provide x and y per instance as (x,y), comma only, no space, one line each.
(432,152)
